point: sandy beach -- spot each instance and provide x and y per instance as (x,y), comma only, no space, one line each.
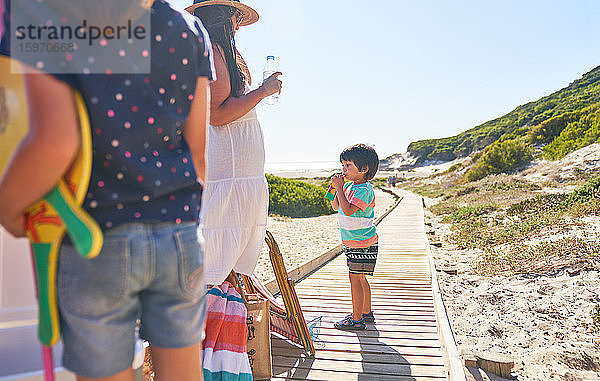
(541,321)
(301,239)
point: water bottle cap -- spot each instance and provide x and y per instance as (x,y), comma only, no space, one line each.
(270,57)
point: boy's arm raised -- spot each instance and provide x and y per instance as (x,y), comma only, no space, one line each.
(346,206)
(340,196)
(44,154)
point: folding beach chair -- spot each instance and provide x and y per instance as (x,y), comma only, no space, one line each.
(287,320)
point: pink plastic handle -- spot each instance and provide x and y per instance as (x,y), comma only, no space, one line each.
(48,363)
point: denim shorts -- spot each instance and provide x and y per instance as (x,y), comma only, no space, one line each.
(150,272)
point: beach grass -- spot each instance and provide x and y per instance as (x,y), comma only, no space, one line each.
(514,225)
(595,328)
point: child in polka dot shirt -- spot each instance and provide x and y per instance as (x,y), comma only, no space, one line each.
(148,137)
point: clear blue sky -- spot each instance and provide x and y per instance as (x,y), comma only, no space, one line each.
(396,71)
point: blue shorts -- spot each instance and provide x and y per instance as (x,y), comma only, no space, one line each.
(150,272)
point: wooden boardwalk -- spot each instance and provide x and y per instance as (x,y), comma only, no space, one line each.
(403,344)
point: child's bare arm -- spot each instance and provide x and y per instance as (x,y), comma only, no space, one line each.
(340,196)
(44,154)
(196,125)
(346,206)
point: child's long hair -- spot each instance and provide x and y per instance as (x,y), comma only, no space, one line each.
(217,21)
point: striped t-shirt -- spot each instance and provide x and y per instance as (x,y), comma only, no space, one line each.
(358,229)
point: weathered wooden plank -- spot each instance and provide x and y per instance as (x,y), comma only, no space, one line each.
(332,375)
(344,296)
(378,309)
(382,289)
(376,293)
(382,282)
(393,326)
(372,357)
(330,341)
(334,316)
(422,338)
(387,331)
(375,296)
(326,348)
(398,368)
(393,285)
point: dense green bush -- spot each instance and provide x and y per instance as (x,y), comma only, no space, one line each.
(582,129)
(294,198)
(501,157)
(548,130)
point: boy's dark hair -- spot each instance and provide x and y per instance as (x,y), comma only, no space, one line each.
(364,157)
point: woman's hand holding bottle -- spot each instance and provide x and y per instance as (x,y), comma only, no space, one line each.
(271,85)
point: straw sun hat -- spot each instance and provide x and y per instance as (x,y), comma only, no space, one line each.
(249,15)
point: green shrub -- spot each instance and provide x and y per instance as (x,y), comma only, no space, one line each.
(543,257)
(548,130)
(429,190)
(377,182)
(454,168)
(501,157)
(586,193)
(582,130)
(505,182)
(465,190)
(539,205)
(484,232)
(294,198)
(469,212)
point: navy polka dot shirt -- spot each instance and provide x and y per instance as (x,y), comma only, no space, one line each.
(142,167)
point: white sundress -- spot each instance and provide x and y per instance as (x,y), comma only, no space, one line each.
(235,200)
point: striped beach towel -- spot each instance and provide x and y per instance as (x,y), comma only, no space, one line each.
(225,357)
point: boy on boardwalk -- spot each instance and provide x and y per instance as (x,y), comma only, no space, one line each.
(355,202)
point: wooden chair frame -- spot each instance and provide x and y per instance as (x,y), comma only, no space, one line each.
(287,320)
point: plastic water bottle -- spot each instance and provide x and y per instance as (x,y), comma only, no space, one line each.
(270,68)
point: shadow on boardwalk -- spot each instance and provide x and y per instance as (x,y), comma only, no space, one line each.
(295,365)
(379,360)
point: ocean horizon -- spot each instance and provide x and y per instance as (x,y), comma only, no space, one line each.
(296,169)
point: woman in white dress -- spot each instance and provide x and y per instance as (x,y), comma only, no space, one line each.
(236,197)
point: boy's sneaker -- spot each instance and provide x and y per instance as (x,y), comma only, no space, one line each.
(348,324)
(367,318)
